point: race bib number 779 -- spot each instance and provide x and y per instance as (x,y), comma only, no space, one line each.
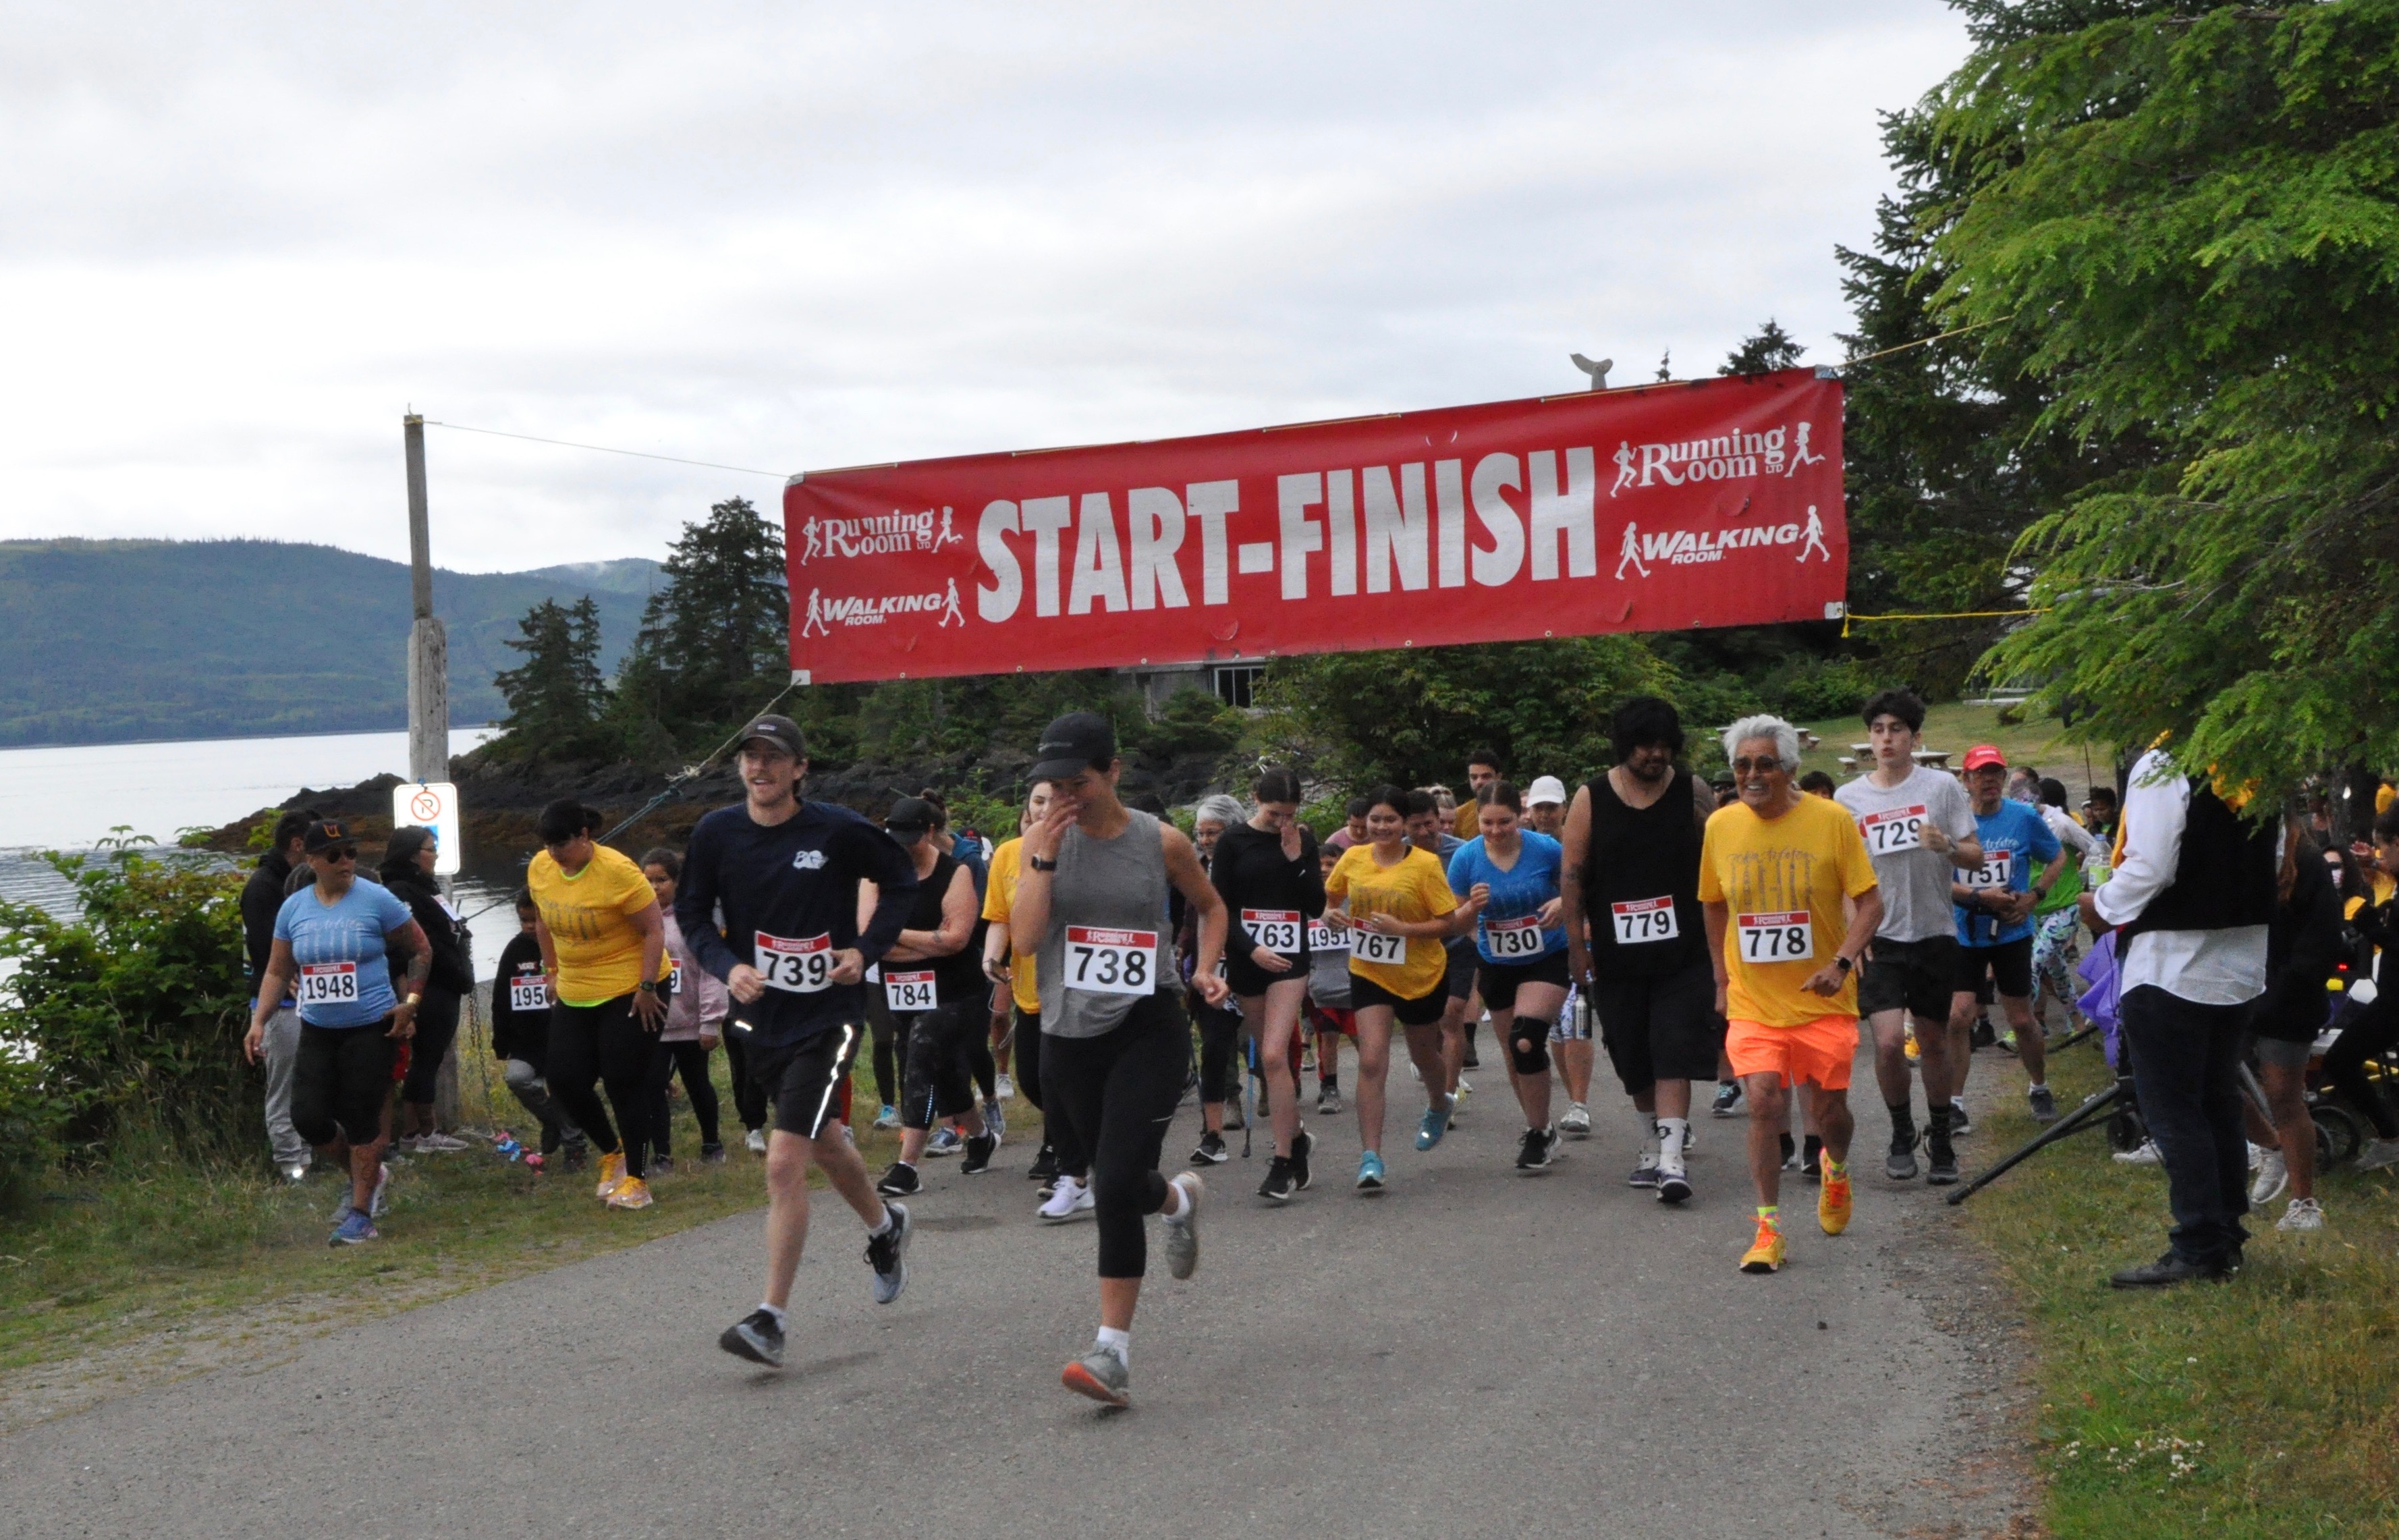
(1777,938)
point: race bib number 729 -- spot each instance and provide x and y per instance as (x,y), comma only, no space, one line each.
(1893,830)
(1777,938)
(801,966)
(1111,961)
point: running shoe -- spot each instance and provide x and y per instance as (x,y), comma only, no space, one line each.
(1465,1089)
(1328,1101)
(1279,1185)
(887,1254)
(1212,1150)
(1234,1121)
(1003,1088)
(438,1142)
(661,1163)
(888,1117)
(1900,1163)
(1577,1122)
(1472,1061)
(1909,1045)
(1045,1164)
(1674,1183)
(2044,1103)
(758,1141)
(2274,1175)
(901,1181)
(1960,1124)
(1534,1151)
(995,1121)
(2377,1154)
(632,1193)
(1068,1200)
(1303,1145)
(294,1172)
(757,1337)
(1765,1253)
(2008,1040)
(1942,1172)
(1645,1171)
(712,1155)
(1182,1230)
(1370,1172)
(979,1152)
(1728,1098)
(1833,1202)
(356,1229)
(2303,1214)
(1790,1152)
(2144,1154)
(612,1171)
(1430,1127)
(1100,1376)
(1983,1035)
(946,1141)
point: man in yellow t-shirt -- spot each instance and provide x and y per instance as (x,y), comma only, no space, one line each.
(1775,868)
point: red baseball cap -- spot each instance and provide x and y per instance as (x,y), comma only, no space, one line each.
(1982,754)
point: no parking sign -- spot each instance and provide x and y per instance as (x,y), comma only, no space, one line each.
(431,805)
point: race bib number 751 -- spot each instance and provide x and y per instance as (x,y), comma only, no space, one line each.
(801,966)
(1777,938)
(1111,961)
(1997,867)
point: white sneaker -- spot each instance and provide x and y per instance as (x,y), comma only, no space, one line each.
(2145,1155)
(1004,1087)
(437,1143)
(2272,1175)
(1465,1088)
(758,1141)
(2377,1154)
(2303,1214)
(2256,1158)
(1577,1122)
(1069,1199)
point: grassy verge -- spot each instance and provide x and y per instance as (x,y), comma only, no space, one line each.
(1958,727)
(2269,1406)
(154,1246)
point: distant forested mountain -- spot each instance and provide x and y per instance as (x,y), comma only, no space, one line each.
(111,640)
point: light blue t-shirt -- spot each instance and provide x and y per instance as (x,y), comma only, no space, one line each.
(2015,841)
(1516,894)
(345,979)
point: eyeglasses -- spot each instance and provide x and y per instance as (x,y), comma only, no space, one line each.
(1744,766)
(340,853)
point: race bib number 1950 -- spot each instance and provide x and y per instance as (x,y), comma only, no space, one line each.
(329,983)
(1373,946)
(801,966)
(528,991)
(1111,961)
(1893,830)
(1640,920)
(1275,929)
(1777,938)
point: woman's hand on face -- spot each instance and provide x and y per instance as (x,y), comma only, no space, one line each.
(1043,839)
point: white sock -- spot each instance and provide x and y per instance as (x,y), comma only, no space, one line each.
(1648,1122)
(884,1228)
(1671,1131)
(1181,1209)
(2036,1086)
(1118,1342)
(774,1310)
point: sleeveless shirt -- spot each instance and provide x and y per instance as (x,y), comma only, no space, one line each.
(1111,893)
(1639,853)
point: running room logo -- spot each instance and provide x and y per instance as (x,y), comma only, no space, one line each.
(1729,457)
(825,611)
(1688,547)
(883,534)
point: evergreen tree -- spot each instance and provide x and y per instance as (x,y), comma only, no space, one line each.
(1772,348)
(556,696)
(714,641)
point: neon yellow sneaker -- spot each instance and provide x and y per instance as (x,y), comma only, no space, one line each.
(632,1193)
(1765,1253)
(612,1171)
(1833,1202)
(1914,1052)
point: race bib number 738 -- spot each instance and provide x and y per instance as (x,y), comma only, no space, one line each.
(1111,961)
(1777,938)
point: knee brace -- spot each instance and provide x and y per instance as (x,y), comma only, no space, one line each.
(1529,1045)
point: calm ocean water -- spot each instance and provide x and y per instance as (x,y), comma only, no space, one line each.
(69,799)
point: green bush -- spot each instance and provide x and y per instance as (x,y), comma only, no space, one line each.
(131,1014)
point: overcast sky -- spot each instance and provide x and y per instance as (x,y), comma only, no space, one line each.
(237,242)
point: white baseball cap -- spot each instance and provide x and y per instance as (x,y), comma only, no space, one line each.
(1549,789)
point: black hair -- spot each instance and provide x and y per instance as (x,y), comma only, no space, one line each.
(1360,806)
(659,855)
(2350,881)
(2104,793)
(524,899)
(2386,825)
(1819,783)
(565,818)
(1503,794)
(2053,791)
(1904,704)
(941,809)
(1485,756)
(292,825)
(1419,800)
(1393,798)
(1279,784)
(1645,720)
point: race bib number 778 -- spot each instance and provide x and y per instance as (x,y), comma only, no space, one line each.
(1777,938)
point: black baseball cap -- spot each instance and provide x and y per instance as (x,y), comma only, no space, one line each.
(324,834)
(1073,744)
(780,732)
(909,815)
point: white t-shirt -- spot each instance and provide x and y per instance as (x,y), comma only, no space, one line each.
(1915,879)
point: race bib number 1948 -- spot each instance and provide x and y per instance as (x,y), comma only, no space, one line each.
(1777,938)
(1111,961)
(801,966)
(329,983)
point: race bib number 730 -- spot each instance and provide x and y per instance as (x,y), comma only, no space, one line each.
(1519,937)
(1111,961)
(1777,938)
(800,965)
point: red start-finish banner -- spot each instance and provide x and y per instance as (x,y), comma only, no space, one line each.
(1711,503)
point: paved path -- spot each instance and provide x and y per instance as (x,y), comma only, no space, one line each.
(1474,1352)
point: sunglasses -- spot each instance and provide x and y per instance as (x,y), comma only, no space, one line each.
(340,853)
(1744,766)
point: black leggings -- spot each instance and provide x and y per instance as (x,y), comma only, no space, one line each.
(1117,1092)
(938,1083)
(1056,1132)
(691,1060)
(340,1082)
(2365,1031)
(890,1049)
(604,1045)
(436,1028)
(982,1067)
(749,1100)
(1220,1032)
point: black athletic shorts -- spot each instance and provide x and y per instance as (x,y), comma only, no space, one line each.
(1463,962)
(341,1079)
(1499,981)
(804,1079)
(1249,981)
(1664,1028)
(2008,963)
(1917,976)
(1422,1012)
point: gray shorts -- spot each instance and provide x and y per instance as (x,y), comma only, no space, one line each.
(2281,1053)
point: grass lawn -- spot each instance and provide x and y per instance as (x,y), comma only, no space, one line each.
(2268,1406)
(1958,727)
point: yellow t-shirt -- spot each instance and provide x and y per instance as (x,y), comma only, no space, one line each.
(589,917)
(999,900)
(1466,822)
(1783,880)
(1417,888)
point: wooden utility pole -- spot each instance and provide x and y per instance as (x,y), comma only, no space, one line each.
(428,695)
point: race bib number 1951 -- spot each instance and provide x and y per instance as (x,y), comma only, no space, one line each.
(1777,938)
(1323,938)
(1373,946)
(1111,961)
(1893,830)
(1640,920)
(329,983)
(801,966)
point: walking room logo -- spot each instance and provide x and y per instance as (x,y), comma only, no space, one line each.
(1736,456)
(880,535)
(1688,547)
(826,610)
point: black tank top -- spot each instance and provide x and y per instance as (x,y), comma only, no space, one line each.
(959,975)
(1639,857)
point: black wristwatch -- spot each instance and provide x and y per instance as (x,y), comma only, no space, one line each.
(1040,864)
(1844,964)
(647,986)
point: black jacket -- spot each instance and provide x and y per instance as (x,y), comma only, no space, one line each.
(262,899)
(519,1034)
(453,969)
(2303,944)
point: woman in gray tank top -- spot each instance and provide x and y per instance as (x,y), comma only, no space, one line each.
(1092,907)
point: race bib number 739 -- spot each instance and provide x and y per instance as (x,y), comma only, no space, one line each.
(800,965)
